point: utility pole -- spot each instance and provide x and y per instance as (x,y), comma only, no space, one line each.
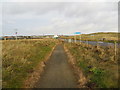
(16,33)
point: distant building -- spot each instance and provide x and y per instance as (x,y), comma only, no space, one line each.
(8,37)
(55,36)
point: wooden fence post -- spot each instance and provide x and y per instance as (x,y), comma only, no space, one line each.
(97,44)
(115,47)
(75,38)
(80,39)
(87,42)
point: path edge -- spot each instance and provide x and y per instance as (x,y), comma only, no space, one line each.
(81,79)
(39,69)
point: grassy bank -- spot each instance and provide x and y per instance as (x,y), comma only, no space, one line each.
(19,59)
(105,37)
(99,64)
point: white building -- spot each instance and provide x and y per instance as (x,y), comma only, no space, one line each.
(55,36)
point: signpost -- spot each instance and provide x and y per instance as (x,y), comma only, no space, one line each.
(77,33)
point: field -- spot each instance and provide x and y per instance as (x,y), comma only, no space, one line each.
(99,64)
(19,59)
(106,37)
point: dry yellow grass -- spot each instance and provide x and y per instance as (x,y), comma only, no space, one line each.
(108,37)
(99,64)
(20,57)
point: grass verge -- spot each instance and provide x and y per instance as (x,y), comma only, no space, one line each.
(19,59)
(99,64)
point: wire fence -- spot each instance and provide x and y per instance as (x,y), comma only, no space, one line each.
(95,43)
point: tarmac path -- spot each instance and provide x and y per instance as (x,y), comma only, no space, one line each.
(57,73)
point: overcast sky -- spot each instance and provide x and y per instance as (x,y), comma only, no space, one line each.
(36,18)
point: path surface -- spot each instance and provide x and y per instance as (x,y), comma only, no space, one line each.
(58,73)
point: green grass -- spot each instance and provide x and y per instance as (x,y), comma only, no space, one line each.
(108,37)
(97,64)
(20,59)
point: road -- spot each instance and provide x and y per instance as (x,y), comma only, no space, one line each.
(95,43)
(57,73)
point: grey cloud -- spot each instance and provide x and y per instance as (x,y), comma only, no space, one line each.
(31,7)
(70,8)
(66,17)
